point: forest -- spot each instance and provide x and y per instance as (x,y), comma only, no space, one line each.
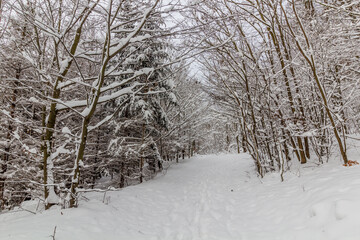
(98,95)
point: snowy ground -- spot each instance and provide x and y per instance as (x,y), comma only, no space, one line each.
(209,197)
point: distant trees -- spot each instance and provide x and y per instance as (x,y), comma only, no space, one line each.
(277,74)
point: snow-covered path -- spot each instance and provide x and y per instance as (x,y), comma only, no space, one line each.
(207,197)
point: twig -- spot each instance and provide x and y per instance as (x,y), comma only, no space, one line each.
(53,236)
(37,206)
(27,210)
(86,199)
(104,197)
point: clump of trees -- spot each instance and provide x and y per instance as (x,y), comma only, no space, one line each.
(286,74)
(89,90)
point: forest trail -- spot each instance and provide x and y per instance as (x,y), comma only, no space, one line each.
(205,198)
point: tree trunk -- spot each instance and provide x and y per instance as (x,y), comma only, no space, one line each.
(122,175)
(6,155)
(310,60)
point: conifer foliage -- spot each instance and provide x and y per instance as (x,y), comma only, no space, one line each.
(85,91)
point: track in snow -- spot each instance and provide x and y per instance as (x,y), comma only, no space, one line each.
(194,200)
(215,197)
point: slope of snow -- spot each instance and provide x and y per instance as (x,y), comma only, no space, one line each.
(209,197)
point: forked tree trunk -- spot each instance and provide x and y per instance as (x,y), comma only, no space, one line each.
(311,61)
